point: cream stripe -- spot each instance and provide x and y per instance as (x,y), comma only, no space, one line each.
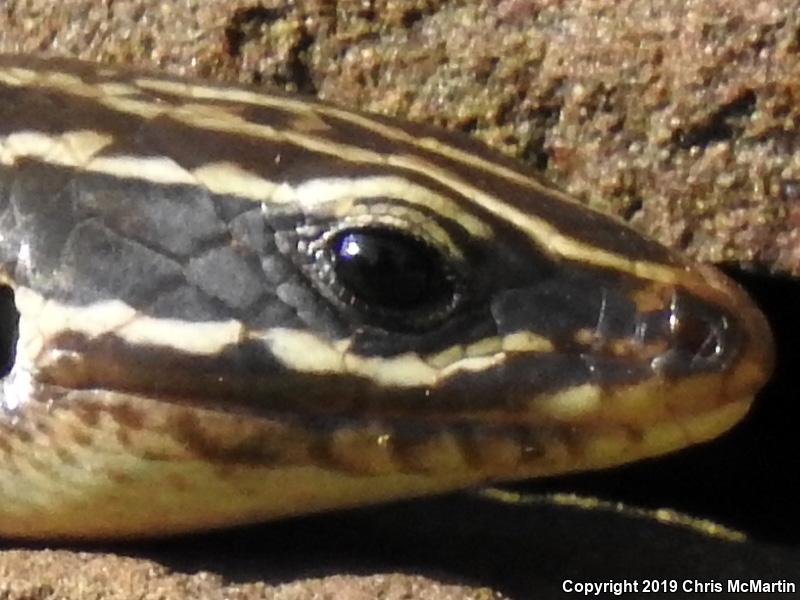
(79,149)
(321,190)
(542,232)
(41,320)
(159,169)
(213,118)
(73,149)
(228,178)
(310,107)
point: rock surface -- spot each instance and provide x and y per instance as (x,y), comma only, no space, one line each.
(682,117)
(46,574)
(679,116)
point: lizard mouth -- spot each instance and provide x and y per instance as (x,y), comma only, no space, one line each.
(698,382)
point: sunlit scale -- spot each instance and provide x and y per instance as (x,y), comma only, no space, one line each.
(223,306)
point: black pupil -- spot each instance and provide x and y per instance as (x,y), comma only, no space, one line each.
(389,269)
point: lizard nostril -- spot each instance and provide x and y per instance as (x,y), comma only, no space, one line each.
(699,337)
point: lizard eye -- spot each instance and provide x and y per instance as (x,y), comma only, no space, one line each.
(390,272)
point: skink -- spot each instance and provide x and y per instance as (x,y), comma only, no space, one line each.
(221,305)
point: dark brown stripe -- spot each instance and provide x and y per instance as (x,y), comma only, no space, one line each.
(192,147)
(247,380)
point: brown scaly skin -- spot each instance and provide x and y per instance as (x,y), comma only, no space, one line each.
(188,360)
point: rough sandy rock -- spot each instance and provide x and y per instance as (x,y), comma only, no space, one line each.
(48,574)
(682,117)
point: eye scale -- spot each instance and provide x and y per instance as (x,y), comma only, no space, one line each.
(198,335)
